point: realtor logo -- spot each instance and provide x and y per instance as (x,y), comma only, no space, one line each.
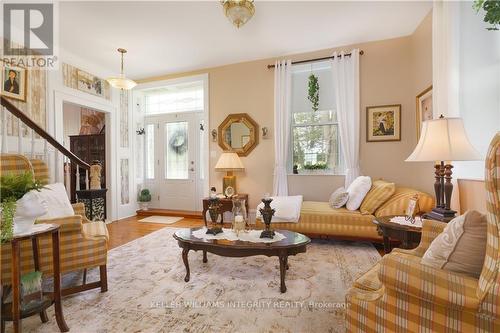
(28,29)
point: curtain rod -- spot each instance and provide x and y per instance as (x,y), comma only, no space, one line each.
(317,59)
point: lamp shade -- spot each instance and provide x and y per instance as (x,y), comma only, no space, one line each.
(443,139)
(229,162)
(121,82)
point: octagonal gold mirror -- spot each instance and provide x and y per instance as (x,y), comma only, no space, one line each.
(238,133)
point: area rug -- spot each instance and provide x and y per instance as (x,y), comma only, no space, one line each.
(147,292)
(161,219)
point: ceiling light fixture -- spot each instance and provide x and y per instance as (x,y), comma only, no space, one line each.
(121,82)
(238,11)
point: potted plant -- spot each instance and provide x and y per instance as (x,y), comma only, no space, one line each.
(20,206)
(313,168)
(144,199)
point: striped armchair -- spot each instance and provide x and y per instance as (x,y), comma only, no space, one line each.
(83,244)
(401,295)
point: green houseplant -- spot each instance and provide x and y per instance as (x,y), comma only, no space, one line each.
(313,92)
(144,199)
(12,189)
(492,10)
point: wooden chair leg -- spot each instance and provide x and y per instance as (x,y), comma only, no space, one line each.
(104,278)
(84,276)
(3,326)
(43,316)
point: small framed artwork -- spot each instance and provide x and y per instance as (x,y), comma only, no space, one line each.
(14,82)
(90,84)
(383,123)
(424,108)
(413,209)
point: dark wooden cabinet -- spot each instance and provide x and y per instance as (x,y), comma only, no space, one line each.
(89,148)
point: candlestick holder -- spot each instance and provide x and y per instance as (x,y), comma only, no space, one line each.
(267,214)
(214,212)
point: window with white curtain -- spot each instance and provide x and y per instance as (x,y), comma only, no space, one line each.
(314,135)
(174,98)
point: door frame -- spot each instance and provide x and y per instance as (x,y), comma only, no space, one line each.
(202,187)
(60,97)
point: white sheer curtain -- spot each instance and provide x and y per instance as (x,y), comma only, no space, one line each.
(445,58)
(282,98)
(345,71)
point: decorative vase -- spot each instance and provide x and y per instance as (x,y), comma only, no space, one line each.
(267,215)
(214,212)
(144,205)
(239,215)
(28,209)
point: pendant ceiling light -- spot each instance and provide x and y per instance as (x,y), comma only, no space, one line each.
(238,11)
(121,82)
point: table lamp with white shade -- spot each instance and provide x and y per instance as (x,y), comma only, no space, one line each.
(443,140)
(229,162)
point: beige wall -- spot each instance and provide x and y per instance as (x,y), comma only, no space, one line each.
(472,195)
(392,72)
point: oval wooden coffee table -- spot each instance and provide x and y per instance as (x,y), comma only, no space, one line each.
(293,243)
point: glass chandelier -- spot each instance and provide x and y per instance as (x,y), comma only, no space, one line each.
(238,11)
(121,82)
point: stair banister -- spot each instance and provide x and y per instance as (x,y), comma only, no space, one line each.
(40,131)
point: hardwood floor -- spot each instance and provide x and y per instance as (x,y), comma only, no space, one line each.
(126,230)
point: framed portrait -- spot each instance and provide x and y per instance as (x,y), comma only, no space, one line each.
(89,83)
(14,82)
(383,123)
(424,108)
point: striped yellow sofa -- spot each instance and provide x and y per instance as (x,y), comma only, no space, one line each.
(84,244)
(399,294)
(318,219)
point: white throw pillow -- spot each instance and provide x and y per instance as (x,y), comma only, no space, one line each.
(55,199)
(338,198)
(357,192)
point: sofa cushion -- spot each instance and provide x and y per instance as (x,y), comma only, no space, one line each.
(357,192)
(380,192)
(461,246)
(339,198)
(398,202)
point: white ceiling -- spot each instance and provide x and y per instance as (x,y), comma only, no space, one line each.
(168,37)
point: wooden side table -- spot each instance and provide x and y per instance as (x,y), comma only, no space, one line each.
(12,312)
(226,205)
(409,236)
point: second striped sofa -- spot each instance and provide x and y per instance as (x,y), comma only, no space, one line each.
(318,219)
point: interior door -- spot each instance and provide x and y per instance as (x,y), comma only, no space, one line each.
(177,150)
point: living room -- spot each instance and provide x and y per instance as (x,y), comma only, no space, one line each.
(251,166)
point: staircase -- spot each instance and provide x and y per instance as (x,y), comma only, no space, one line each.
(63,158)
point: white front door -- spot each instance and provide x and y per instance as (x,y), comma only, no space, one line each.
(177,160)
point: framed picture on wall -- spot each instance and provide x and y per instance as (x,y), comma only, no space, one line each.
(90,84)
(14,82)
(424,108)
(383,123)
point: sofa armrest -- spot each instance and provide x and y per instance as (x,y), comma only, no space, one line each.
(405,274)
(79,209)
(67,223)
(430,230)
